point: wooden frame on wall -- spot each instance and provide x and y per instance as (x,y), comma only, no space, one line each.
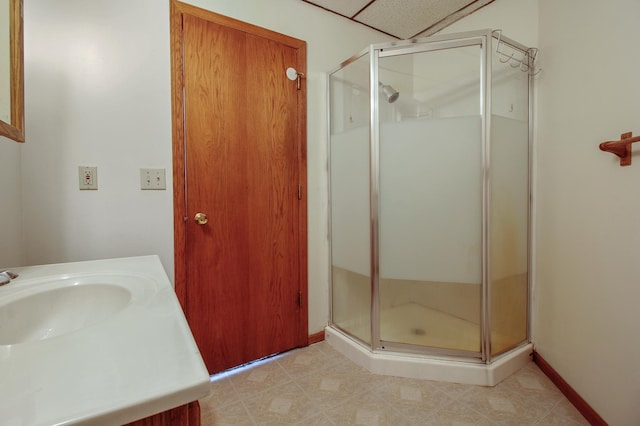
(15,129)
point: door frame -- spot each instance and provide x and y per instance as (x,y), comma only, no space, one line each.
(180,216)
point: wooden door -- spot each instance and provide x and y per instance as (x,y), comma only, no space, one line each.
(244,168)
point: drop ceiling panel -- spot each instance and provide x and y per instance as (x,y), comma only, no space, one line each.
(406,18)
(347,8)
(403,19)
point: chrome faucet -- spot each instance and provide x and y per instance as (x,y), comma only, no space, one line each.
(6,277)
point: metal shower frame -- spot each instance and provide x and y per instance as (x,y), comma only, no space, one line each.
(489,41)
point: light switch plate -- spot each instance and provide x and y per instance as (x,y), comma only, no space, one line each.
(88,177)
(153,179)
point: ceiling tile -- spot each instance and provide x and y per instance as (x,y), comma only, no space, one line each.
(343,7)
(406,18)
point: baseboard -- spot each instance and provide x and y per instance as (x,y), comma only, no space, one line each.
(581,405)
(316,337)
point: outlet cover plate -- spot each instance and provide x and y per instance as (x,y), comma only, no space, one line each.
(153,179)
(88,177)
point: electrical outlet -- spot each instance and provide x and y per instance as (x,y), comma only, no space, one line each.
(88,177)
(153,179)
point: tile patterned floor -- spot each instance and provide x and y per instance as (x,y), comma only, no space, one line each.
(319,386)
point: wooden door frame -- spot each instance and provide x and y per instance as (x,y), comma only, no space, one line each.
(180,214)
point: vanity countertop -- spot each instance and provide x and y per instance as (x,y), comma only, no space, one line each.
(133,363)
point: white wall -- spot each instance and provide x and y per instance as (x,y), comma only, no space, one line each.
(97,88)
(586,206)
(518,20)
(11,243)
(588,240)
(11,247)
(98,93)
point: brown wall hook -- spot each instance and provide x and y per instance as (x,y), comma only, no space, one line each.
(621,148)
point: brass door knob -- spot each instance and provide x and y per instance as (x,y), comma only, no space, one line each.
(201,218)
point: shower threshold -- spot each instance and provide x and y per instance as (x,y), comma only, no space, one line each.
(429,367)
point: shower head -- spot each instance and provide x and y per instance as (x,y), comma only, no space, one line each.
(391,93)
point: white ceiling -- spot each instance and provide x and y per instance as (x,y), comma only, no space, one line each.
(403,19)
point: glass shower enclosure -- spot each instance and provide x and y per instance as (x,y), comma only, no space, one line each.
(430,195)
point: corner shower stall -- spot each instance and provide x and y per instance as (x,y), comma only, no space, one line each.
(429,206)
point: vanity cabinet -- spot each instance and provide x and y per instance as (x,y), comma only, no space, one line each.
(185,415)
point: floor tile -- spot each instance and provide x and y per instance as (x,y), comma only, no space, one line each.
(331,386)
(367,409)
(503,406)
(319,386)
(457,414)
(302,362)
(263,377)
(229,415)
(222,393)
(564,413)
(415,399)
(317,420)
(285,404)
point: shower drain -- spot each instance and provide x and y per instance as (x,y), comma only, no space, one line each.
(419,331)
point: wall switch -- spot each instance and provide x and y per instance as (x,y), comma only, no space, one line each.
(88,177)
(152,179)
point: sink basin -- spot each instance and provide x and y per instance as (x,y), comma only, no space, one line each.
(99,342)
(56,311)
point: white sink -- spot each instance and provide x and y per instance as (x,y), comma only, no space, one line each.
(59,310)
(101,342)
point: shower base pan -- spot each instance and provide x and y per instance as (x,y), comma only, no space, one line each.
(406,323)
(428,367)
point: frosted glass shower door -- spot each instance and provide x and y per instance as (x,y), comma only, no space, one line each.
(509,203)
(430,213)
(350,208)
